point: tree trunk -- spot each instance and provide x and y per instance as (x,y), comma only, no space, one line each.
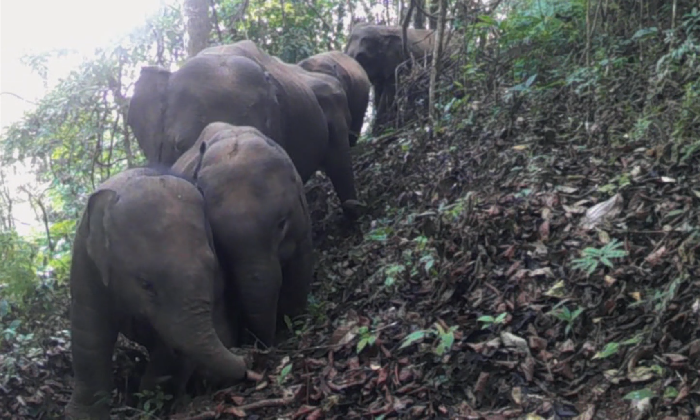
(433,11)
(437,56)
(419,16)
(198,26)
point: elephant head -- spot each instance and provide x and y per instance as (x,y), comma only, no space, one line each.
(259,217)
(169,109)
(143,256)
(379,50)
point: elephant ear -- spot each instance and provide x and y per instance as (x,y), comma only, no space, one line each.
(147,110)
(98,237)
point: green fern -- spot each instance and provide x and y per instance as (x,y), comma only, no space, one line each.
(594,256)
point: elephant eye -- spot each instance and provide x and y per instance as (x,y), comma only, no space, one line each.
(146,285)
(282,225)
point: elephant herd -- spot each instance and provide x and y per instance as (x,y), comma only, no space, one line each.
(213,237)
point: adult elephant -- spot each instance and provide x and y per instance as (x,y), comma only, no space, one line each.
(379,50)
(241,85)
(315,118)
(144,264)
(260,222)
(169,109)
(353,79)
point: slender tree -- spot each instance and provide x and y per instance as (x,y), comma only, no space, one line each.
(198,25)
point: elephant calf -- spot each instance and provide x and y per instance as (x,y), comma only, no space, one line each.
(260,221)
(144,264)
(353,79)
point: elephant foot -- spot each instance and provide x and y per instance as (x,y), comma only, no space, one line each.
(353,209)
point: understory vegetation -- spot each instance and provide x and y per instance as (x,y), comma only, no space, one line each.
(531,249)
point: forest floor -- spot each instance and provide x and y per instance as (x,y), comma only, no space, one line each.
(478,221)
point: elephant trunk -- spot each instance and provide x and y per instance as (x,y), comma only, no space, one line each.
(194,335)
(258,287)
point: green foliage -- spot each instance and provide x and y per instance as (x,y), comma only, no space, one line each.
(17,273)
(445,338)
(594,256)
(366,338)
(488,320)
(284,373)
(566,315)
(290,30)
(152,402)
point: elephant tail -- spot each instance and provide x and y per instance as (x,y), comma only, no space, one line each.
(202,149)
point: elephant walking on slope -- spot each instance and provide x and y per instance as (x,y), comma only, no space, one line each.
(353,79)
(260,222)
(379,50)
(242,85)
(144,265)
(315,119)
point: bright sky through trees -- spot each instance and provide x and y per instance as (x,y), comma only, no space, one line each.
(34,26)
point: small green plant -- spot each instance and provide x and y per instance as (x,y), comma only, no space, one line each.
(152,402)
(366,338)
(316,308)
(284,373)
(445,336)
(566,315)
(392,273)
(613,347)
(488,320)
(594,256)
(294,326)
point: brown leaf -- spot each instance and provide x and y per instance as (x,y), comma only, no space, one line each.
(588,414)
(405,374)
(544,230)
(304,410)
(381,378)
(528,368)
(682,394)
(676,361)
(234,411)
(315,415)
(482,382)
(537,343)
(655,257)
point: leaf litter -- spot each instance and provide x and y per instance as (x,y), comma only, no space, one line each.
(487,282)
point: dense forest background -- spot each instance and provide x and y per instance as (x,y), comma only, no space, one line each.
(532,235)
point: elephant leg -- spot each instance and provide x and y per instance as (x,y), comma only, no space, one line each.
(93,337)
(385,110)
(338,167)
(297,276)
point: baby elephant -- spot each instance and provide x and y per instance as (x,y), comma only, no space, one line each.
(260,221)
(144,265)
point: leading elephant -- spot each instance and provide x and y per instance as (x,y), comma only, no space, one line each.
(144,264)
(309,101)
(379,50)
(260,222)
(353,79)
